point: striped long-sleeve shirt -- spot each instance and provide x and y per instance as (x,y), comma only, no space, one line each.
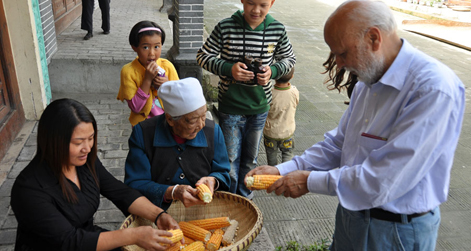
(231,39)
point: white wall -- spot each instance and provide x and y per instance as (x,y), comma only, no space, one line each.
(23,40)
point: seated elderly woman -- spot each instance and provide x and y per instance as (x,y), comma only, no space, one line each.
(55,197)
(172,153)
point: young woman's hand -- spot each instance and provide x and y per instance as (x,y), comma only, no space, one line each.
(240,72)
(264,78)
(166,221)
(151,239)
(187,195)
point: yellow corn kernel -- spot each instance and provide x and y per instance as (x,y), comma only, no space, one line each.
(261,182)
(177,235)
(177,247)
(195,246)
(228,237)
(212,223)
(194,232)
(215,240)
(204,193)
(188,240)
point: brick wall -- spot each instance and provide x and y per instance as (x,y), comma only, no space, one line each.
(187,17)
(188,25)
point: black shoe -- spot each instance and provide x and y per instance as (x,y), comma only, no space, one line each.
(106,32)
(88,36)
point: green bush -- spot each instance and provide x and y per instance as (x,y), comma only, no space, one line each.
(322,245)
(210,92)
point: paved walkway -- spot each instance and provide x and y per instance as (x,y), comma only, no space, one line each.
(114,46)
(442,24)
(306,219)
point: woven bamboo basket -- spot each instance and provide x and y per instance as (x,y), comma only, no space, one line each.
(227,204)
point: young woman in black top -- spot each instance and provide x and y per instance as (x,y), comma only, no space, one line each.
(56,196)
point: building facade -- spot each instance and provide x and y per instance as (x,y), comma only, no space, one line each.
(27,43)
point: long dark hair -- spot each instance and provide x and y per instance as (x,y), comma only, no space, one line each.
(336,76)
(55,129)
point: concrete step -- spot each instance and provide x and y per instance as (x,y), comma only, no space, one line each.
(85,75)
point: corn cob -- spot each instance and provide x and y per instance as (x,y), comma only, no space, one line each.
(215,240)
(177,247)
(188,240)
(211,223)
(228,237)
(204,193)
(195,246)
(261,182)
(177,235)
(194,232)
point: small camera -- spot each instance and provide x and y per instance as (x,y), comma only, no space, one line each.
(160,71)
(254,65)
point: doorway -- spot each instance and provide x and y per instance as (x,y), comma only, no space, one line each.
(12,115)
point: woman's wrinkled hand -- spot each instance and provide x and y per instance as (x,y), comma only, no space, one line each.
(187,195)
(208,181)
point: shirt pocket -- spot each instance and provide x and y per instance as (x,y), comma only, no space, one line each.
(368,145)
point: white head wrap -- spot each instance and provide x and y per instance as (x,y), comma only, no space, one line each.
(182,96)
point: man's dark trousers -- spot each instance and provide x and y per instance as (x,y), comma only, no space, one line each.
(87,14)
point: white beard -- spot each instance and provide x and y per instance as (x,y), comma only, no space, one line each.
(371,68)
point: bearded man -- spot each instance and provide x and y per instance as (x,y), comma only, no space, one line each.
(389,160)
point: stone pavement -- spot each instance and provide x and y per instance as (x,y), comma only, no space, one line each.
(306,219)
(443,24)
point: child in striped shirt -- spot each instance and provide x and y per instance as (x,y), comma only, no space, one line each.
(233,51)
